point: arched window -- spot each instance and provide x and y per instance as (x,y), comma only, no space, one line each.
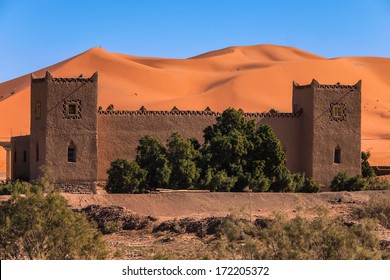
(37,152)
(71,152)
(337,154)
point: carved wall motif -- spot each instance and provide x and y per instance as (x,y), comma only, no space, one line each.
(71,109)
(337,112)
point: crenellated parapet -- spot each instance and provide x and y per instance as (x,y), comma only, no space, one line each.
(316,85)
(49,77)
(110,111)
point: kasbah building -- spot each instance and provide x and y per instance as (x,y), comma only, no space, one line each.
(77,140)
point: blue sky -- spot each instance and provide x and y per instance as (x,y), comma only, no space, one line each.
(36,34)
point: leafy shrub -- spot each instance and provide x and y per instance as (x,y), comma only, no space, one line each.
(294,182)
(339,182)
(356,183)
(342,182)
(125,177)
(309,186)
(41,226)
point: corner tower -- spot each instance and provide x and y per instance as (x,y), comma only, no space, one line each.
(331,129)
(64,127)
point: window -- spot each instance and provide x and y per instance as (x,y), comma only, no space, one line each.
(37,152)
(71,152)
(15,157)
(337,155)
(337,112)
(24,156)
(38,110)
(72,109)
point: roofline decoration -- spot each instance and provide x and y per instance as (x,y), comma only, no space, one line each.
(316,85)
(206,112)
(49,77)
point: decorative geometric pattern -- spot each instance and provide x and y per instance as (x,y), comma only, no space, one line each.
(207,112)
(337,112)
(71,109)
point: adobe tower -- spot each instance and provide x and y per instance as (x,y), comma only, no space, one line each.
(64,122)
(331,129)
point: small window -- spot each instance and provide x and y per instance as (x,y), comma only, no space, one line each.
(337,111)
(15,160)
(72,109)
(71,152)
(37,152)
(38,110)
(337,155)
(24,156)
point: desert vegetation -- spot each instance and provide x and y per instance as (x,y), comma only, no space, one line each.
(39,225)
(318,237)
(235,156)
(367,181)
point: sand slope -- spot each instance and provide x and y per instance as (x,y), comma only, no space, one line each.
(254,78)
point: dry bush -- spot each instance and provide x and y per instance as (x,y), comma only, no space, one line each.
(41,226)
(321,238)
(378,209)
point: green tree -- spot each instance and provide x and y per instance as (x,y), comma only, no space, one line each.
(367,170)
(41,226)
(248,153)
(125,177)
(151,156)
(182,157)
(268,148)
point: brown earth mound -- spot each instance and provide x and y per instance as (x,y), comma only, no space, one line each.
(168,206)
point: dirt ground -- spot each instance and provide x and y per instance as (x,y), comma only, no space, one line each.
(173,206)
(176,205)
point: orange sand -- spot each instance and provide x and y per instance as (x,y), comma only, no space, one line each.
(254,78)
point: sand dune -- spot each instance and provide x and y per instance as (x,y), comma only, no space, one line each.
(254,78)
